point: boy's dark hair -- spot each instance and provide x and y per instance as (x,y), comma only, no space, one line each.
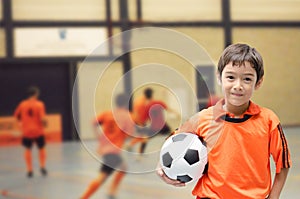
(148,93)
(238,54)
(33,90)
(122,100)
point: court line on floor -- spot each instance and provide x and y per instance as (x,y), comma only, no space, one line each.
(10,194)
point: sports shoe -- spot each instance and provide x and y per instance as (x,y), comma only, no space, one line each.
(43,171)
(29,174)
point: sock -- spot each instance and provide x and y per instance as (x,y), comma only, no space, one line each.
(116,182)
(28,159)
(42,158)
(93,186)
(143,147)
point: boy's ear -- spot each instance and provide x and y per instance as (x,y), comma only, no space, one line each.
(259,83)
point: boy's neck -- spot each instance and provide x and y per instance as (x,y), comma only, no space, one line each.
(237,111)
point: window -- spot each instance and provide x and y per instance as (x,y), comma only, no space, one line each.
(178,10)
(2,43)
(271,10)
(57,10)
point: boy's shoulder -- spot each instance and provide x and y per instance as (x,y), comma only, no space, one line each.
(268,114)
(262,109)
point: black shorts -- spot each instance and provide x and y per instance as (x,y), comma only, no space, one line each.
(110,163)
(40,142)
(165,130)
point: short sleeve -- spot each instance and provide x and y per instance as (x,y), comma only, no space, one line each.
(43,110)
(17,112)
(279,148)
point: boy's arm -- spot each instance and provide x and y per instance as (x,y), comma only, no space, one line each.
(43,114)
(278,183)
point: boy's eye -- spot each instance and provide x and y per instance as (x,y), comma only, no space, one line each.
(230,77)
(248,79)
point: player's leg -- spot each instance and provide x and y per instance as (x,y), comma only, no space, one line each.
(147,132)
(42,154)
(139,139)
(134,141)
(95,185)
(143,146)
(110,162)
(27,143)
(115,184)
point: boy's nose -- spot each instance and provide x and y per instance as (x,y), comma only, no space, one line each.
(238,85)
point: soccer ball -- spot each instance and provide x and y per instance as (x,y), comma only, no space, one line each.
(183,157)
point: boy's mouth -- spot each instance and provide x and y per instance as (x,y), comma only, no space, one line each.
(237,94)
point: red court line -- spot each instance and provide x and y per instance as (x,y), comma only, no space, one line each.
(9,194)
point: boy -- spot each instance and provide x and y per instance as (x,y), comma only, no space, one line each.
(116,125)
(240,135)
(30,114)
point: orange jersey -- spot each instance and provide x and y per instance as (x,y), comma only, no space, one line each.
(116,125)
(139,109)
(30,113)
(239,151)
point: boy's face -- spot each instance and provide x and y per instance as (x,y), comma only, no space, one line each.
(238,83)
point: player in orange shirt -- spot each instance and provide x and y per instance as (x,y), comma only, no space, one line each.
(240,135)
(117,126)
(30,114)
(141,117)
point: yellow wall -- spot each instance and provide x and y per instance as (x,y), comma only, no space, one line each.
(280,50)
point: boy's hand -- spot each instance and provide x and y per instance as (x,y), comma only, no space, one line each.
(168,180)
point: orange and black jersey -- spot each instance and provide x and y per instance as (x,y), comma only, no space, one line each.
(30,114)
(239,151)
(140,115)
(116,125)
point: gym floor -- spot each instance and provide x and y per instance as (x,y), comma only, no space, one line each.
(71,167)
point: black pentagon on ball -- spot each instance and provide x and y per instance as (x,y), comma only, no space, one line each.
(178,137)
(191,156)
(184,178)
(167,160)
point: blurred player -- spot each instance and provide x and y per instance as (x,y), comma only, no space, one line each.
(158,125)
(117,126)
(154,121)
(30,114)
(140,117)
